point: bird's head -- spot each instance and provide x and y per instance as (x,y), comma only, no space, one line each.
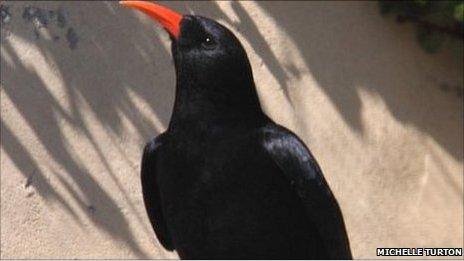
(211,64)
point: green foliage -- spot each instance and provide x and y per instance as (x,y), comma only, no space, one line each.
(459,12)
(435,20)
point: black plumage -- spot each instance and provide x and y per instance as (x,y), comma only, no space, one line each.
(224,181)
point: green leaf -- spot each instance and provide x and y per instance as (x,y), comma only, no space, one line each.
(459,12)
(431,41)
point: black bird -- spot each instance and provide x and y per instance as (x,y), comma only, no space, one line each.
(224,181)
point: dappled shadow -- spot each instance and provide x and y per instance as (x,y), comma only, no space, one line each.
(345,51)
(102,76)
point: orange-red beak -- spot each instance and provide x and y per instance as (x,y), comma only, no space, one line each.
(169,19)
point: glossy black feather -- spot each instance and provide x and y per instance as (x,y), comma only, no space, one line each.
(151,196)
(299,166)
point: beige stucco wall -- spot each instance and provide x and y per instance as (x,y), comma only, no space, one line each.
(82,94)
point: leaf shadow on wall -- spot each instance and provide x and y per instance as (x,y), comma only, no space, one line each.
(345,51)
(95,77)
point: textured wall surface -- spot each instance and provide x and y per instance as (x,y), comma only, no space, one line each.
(85,84)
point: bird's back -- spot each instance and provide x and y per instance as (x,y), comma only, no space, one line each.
(224,197)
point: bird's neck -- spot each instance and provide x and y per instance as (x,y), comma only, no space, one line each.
(202,107)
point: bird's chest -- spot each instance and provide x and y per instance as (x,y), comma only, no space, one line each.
(204,187)
(192,172)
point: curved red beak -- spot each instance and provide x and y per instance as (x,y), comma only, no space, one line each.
(169,19)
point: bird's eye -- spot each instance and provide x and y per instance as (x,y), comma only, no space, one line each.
(208,42)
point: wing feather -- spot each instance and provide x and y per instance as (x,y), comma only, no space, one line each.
(298,165)
(151,196)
